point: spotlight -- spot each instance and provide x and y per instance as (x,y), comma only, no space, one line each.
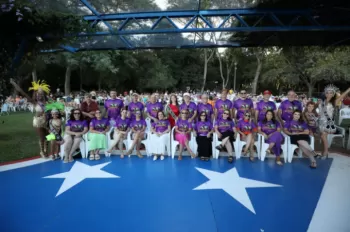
(39,39)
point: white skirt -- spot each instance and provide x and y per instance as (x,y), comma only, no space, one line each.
(157,144)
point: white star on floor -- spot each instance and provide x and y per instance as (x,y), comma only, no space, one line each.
(232,184)
(78,173)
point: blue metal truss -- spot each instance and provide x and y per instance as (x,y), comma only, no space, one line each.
(243,17)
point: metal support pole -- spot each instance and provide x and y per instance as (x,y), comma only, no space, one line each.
(234,82)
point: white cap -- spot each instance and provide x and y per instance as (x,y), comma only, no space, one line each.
(187,94)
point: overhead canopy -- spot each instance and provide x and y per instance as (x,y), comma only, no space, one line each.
(145,24)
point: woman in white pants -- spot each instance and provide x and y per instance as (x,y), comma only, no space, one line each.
(160,136)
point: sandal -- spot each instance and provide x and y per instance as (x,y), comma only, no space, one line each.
(268,151)
(230,159)
(97,157)
(65,161)
(139,155)
(107,153)
(251,158)
(193,156)
(70,160)
(219,147)
(206,159)
(180,157)
(313,165)
(202,158)
(279,162)
(122,156)
(92,157)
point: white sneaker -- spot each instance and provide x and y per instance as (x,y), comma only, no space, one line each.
(155,158)
(162,157)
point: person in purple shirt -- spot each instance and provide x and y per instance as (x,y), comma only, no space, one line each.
(120,132)
(270,128)
(190,106)
(223,104)
(247,129)
(203,131)
(183,128)
(225,129)
(76,127)
(138,127)
(134,106)
(160,136)
(153,107)
(243,105)
(263,106)
(97,137)
(205,107)
(298,131)
(113,107)
(287,107)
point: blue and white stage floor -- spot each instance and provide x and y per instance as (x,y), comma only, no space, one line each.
(143,195)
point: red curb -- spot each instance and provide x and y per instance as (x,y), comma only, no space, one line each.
(18,161)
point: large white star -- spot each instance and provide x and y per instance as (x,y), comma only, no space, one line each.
(78,173)
(232,184)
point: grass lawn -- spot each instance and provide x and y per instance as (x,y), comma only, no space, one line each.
(18,138)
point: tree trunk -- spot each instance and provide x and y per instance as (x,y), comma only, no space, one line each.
(34,74)
(205,70)
(67,81)
(310,88)
(257,74)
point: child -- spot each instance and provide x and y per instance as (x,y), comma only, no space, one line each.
(310,116)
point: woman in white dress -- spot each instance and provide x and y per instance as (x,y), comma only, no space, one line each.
(160,136)
(326,109)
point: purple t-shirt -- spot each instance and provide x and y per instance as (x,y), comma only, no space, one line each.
(113,107)
(295,126)
(183,125)
(242,106)
(263,106)
(207,108)
(221,106)
(77,125)
(246,127)
(203,128)
(192,107)
(161,125)
(269,127)
(133,107)
(288,108)
(137,125)
(99,125)
(122,124)
(154,108)
(224,125)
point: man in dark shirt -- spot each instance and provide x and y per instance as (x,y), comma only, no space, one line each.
(88,107)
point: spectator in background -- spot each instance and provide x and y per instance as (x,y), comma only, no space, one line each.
(88,108)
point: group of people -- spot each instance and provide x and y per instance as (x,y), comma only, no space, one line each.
(229,120)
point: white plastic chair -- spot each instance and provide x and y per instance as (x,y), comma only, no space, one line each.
(292,147)
(330,137)
(152,142)
(4,109)
(348,145)
(265,146)
(240,145)
(82,147)
(148,123)
(344,114)
(173,143)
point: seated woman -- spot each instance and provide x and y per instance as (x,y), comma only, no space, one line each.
(225,129)
(97,137)
(183,130)
(270,128)
(160,137)
(76,127)
(247,129)
(298,131)
(203,132)
(311,117)
(138,127)
(55,128)
(121,130)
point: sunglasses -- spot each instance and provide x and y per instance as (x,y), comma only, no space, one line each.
(226,113)
(203,115)
(183,112)
(247,115)
(243,93)
(98,112)
(76,113)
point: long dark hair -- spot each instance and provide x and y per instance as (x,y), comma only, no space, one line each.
(81,118)
(206,116)
(301,120)
(176,102)
(273,119)
(228,118)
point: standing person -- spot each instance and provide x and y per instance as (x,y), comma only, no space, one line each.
(55,128)
(287,107)
(223,104)
(327,111)
(270,128)
(183,130)
(138,127)
(88,108)
(38,100)
(113,107)
(153,107)
(247,129)
(298,131)
(160,136)
(203,131)
(226,130)
(205,107)
(173,110)
(135,106)
(243,105)
(263,106)
(190,106)
(97,137)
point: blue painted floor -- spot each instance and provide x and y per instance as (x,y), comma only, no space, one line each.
(159,196)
